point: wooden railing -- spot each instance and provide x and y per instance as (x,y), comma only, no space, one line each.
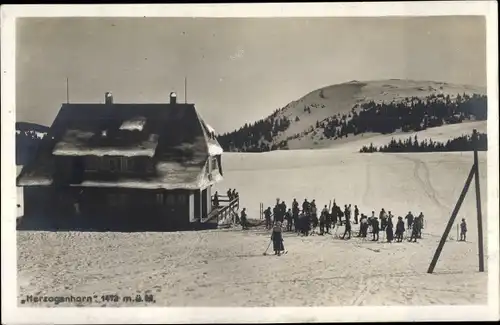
(225,209)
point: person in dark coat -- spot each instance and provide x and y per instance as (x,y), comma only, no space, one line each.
(305,206)
(328,221)
(283,210)
(400,229)
(421,217)
(334,214)
(314,221)
(322,220)
(244,221)
(356,214)
(416,230)
(347,228)
(375,229)
(229,195)
(409,219)
(383,219)
(277,238)
(216,200)
(267,215)
(289,220)
(276,213)
(295,213)
(463,230)
(234,195)
(389,230)
(304,224)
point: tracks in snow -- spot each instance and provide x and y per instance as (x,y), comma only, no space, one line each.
(425,182)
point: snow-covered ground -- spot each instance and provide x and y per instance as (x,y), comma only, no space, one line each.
(227,267)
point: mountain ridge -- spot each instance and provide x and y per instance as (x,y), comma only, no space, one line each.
(301,123)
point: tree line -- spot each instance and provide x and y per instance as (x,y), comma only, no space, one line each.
(409,114)
(26,145)
(462,143)
(257,136)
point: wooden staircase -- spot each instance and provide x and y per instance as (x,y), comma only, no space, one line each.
(224,215)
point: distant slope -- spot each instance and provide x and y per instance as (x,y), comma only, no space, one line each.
(323,117)
(28,136)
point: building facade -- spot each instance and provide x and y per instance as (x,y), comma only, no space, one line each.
(140,166)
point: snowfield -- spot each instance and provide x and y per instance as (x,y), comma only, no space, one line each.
(227,267)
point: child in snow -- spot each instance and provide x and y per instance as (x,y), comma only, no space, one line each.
(463,230)
(277,239)
(400,229)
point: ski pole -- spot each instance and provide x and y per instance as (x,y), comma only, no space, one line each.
(267,247)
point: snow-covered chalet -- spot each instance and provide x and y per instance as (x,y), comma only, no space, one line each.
(134,163)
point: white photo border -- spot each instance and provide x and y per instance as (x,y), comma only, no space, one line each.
(11,313)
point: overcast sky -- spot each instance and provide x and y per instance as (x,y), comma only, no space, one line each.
(238,69)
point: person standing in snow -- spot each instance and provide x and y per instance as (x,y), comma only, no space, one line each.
(409,219)
(313,206)
(389,229)
(322,220)
(383,219)
(305,206)
(277,239)
(334,214)
(347,228)
(304,224)
(276,213)
(295,213)
(375,229)
(362,226)
(244,223)
(289,219)
(463,230)
(346,212)
(400,229)
(328,221)
(356,214)
(267,214)
(283,210)
(421,216)
(416,230)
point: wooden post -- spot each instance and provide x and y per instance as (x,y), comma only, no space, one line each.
(478,204)
(452,220)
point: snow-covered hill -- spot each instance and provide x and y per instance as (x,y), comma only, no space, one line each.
(335,101)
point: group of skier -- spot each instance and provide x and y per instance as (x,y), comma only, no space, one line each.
(305,221)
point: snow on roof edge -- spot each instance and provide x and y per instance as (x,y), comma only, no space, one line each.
(214,149)
(149,152)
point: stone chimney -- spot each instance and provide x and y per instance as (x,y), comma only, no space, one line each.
(108,98)
(173,98)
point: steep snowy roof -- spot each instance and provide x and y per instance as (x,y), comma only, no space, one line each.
(79,143)
(172,134)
